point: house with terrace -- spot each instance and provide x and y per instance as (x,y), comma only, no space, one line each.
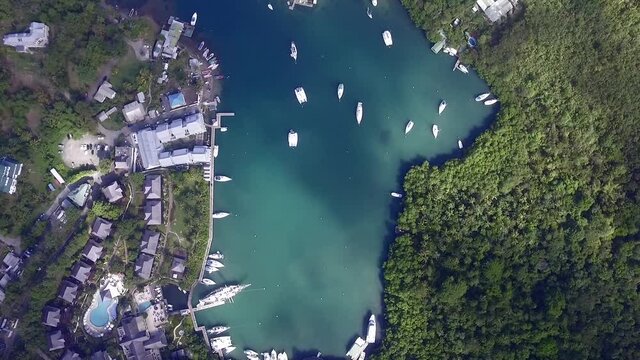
(81,271)
(68,291)
(51,316)
(144,265)
(101,228)
(149,244)
(153,212)
(92,251)
(153,187)
(113,192)
(56,340)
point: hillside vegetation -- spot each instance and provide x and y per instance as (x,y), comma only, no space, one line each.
(528,248)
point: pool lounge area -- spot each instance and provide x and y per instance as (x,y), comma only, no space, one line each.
(99,318)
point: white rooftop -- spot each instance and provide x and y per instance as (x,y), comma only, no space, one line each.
(36,37)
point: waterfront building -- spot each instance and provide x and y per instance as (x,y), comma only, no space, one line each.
(9,172)
(123,158)
(101,228)
(171,37)
(37,36)
(56,340)
(68,291)
(51,316)
(178,266)
(105,91)
(137,341)
(92,251)
(495,10)
(113,192)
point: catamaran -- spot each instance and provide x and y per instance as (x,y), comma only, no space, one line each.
(359,112)
(371,329)
(221,178)
(294,52)
(300,95)
(220,214)
(491,102)
(482,96)
(398,196)
(442,106)
(408,127)
(292,137)
(369,14)
(194,18)
(435,130)
(216,256)
(217,330)
(208,282)
(215,263)
(386,36)
(201,46)
(460,144)
(340,91)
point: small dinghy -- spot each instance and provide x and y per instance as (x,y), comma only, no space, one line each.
(292,137)
(386,37)
(220,215)
(270,6)
(194,18)
(396,195)
(359,112)
(340,91)
(460,146)
(201,46)
(435,130)
(442,106)
(491,102)
(482,96)
(408,127)
(221,178)
(369,14)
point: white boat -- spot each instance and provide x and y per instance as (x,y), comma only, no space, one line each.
(216,330)
(371,328)
(435,130)
(205,53)
(229,349)
(374,2)
(386,36)
(250,352)
(221,343)
(395,195)
(266,356)
(369,14)
(270,6)
(194,18)
(294,52)
(340,91)
(220,214)
(224,129)
(283,356)
(274,355)
(292,137)
(408,127)
(460,144)
(211,269)
(359,112)
(216,256)
(222,295)
(201,46)
(442,106)
(491,102)
(300,95)
(455,66)
(216,148)
(357,348)
(463,69)
(482,96)
(215,263)
(221,178)
(208,282)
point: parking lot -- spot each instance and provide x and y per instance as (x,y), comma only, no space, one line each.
(87,150)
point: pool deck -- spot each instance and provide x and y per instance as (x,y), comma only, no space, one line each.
(216,125)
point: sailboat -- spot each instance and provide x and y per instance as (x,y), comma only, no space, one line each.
(369,13)
(283,356)
(201,46)
(482,96)
(359,112)
(460,144)
(442,106)
(435,130)
(491,102)
(371,328)
(340,91)
(221,178)
(408,127)
(274,355)
(294,52)
(270,6)
(205,53)
(194,18)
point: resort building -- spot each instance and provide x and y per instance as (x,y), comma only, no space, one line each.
(68,291)
(495,10)
(103,311)
(51,316)
(70,355)
(105,91)
(149,244)
(123,158)
(153,187)
(144,265)
(56,340)
(36,37)
(178,266)
(104,115)
(81,271)
(9,172)
(171,37)
(153,212)
(101,228)
(79,195)
(92,251)
(113,192)
(136,340)
(133,111)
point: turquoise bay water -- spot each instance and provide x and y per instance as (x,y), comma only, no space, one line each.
(310,225)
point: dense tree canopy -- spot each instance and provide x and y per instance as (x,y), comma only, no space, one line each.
(528,248)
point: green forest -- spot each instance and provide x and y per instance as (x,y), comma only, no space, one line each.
(528,247)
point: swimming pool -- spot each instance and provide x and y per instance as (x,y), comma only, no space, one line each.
(105,312)
(144,306)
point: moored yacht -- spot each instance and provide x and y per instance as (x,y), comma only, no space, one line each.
(460,146)
(374,2)
(216,256)
(209,269)
(205,53)
(216,148)
(251,353)
(371,328)
(300,95)
(270,6)
(369,14)
(292,137)
(340,91)
(442,106)
(282,356)
(359,112)
(207,282)
(274,355)
(201,46)
(435,130)
(482,96)
(215,263)
(408,127)
(220,214)
(194,18)
(221,178)
(491,102)
(386,36)
(463,69)
(357,348)
(294,52)
(217,330)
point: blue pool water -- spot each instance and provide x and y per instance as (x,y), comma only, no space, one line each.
(144,306)
(101,315)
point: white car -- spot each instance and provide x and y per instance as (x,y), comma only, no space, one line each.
(134,137)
